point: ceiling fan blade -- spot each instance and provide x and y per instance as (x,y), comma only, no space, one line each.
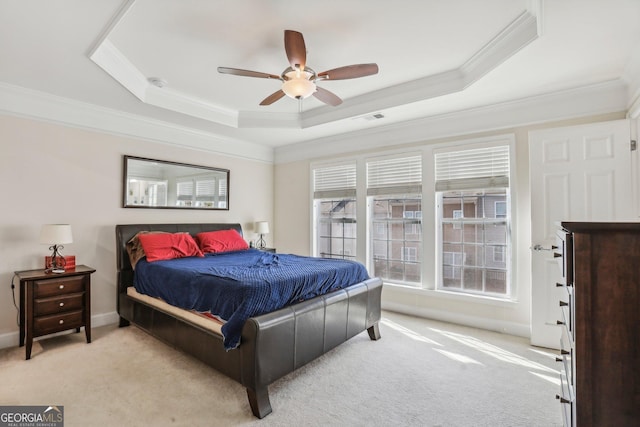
(247,73)
(295,48)
(349,72)
(272,98)
(327,97)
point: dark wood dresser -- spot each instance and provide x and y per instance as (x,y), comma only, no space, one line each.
(600,305)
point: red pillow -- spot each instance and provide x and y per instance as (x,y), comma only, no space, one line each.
(168,246)
(221,241)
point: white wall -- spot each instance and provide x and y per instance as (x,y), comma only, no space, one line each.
(292,208)
(57,174)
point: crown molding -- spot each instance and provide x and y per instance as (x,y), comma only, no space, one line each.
(517,35)
(596,99)
(606,97)
(22,102)
(118,66)
(522,31)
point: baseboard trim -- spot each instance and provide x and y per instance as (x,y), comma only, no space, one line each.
(501,326)
(11,339)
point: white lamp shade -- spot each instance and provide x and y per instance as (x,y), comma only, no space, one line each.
(298,84)
(298,88)
(56,234)
(262,227)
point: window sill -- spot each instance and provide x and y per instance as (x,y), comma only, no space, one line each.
(453,296)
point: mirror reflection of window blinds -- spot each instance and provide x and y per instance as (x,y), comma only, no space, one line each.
(185,190)
(206,190)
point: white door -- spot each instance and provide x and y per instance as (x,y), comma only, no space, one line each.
(578,173)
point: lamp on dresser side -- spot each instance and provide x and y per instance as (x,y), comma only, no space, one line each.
(56,235)
(261,228)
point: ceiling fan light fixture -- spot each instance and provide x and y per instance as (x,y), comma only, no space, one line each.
(298,80)
(298,87)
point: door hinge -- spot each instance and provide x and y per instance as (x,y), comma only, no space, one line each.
(633,145)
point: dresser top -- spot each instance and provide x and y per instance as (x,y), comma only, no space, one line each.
(40,273)
(577,227)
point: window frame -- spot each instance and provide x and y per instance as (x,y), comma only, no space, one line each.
(431,267)
(511,272)
(343,221)
(331,187)
(398,177)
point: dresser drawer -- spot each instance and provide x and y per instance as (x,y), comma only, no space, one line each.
(567,401)
(57,322)
(564,255)
(58,304)
(63,285)
(566,309)
(566,358)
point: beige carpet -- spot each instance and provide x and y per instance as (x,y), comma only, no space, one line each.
(421,373)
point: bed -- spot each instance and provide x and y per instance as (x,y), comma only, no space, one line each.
(271,345)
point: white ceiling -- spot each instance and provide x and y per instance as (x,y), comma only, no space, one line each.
(435,57)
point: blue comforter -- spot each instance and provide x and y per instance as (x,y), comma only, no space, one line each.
(238,285)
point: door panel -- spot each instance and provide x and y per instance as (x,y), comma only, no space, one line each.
(578,173)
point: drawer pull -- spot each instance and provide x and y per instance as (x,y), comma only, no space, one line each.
(562,399)
(61,304)
(539,247)
(563,351)
(559,322)
(559,359)
(563,304)
(61,321)
(559,285)
(61,287)
(557,255)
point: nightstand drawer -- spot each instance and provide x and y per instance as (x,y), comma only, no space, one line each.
(58,304)
(57,322)
(63,285)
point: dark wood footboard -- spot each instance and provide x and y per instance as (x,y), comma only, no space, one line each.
(272,345)
(277,343)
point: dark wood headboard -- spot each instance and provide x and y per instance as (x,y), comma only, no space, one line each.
(124,233)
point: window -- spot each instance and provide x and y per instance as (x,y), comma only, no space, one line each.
(201,192)
(394,190)
(472,195)
(335,211)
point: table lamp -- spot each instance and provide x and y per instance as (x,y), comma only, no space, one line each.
(262,228)
(56,235)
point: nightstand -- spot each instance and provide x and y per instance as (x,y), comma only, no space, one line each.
(54,302)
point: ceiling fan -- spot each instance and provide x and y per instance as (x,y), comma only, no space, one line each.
(298,80)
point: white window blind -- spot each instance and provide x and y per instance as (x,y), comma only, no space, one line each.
(473,169)
(222,188)
(206,190)
(334,181)
(185,190)
(399,175)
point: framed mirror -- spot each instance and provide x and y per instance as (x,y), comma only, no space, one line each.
(149,183)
